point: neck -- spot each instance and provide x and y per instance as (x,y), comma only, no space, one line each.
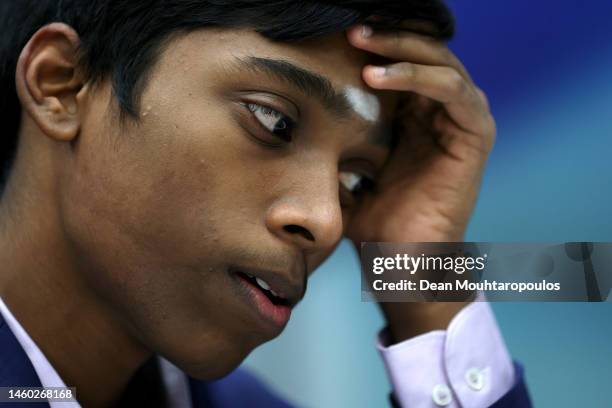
(79,333)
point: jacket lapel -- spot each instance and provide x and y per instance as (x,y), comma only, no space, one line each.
(16,370)
(15,366)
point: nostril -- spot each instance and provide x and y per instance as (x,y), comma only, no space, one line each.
(296,229)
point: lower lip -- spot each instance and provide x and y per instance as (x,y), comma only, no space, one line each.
(277,314)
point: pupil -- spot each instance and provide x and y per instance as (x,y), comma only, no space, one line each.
(280,125)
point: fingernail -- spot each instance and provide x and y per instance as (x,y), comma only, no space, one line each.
(379,71)
(366,31)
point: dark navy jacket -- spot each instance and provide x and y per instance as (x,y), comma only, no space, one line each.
(237,390)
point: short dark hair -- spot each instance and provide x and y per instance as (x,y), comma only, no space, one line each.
(120,39)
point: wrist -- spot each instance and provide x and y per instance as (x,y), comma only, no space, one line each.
(406,320)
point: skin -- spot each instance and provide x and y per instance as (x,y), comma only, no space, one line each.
(448,132)
(124,231)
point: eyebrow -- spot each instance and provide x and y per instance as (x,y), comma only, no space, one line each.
(308,82)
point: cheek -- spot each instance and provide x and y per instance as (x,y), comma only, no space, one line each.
(146,189)
(177,192)
(154,214)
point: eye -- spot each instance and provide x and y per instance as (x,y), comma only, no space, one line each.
(356,183)
(273,121)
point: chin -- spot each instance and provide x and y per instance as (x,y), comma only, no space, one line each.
(213,369)
(211,360)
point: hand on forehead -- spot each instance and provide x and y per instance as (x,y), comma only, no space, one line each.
(333,58)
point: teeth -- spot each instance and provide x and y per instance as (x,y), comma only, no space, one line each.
(262,283)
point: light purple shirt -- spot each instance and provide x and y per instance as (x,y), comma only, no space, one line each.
(467,365)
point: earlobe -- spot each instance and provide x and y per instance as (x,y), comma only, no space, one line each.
(48,82)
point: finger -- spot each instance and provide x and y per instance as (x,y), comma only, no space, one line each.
(459,143)
(405,46)
(484,98)
(442,84)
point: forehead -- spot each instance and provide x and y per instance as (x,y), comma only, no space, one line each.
(330,56)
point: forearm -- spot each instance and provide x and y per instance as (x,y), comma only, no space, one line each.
(409,319)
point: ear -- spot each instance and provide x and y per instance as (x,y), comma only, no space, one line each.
(47,81)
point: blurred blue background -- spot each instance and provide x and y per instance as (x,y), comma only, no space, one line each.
(547,68)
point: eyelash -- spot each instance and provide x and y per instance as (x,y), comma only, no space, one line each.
(282,128)
(346,178)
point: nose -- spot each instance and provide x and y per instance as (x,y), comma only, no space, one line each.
(311,219)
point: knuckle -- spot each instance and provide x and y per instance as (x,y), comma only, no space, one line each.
(396,39)
(480,93)
(407,69)
(401,72)
(490,133)
(455,82)
(448,55)
(483,97)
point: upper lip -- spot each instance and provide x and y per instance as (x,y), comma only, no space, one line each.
(291,288)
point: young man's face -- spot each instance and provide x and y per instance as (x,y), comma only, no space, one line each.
(232,169)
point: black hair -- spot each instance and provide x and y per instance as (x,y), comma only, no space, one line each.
(120,38)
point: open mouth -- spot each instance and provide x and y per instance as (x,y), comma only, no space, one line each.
(262,285)
(266,302)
